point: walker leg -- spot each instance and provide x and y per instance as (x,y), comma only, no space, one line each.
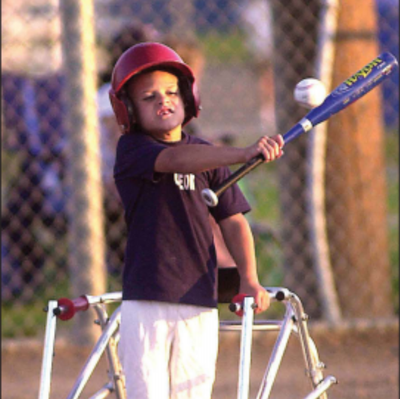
(245,348)
(276,356)
(48,351)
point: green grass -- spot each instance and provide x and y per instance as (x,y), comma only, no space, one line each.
(265,192)
(29,319)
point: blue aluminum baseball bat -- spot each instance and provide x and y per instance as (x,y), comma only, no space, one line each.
(355,87)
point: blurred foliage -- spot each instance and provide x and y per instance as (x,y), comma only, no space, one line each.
(392,165)
(224,48)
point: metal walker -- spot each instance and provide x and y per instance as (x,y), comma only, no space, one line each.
(294,321)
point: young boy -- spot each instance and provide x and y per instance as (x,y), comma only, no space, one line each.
(169,320)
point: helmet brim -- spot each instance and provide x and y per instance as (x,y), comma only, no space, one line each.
(178,66)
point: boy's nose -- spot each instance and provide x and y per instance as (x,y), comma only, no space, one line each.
(163,99)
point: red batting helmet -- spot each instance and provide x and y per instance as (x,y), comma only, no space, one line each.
(146,56)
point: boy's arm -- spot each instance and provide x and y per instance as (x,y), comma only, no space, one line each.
(195,158)
(239,240)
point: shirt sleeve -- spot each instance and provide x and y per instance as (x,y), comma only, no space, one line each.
(136,156)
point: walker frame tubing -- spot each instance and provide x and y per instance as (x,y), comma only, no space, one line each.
(294,321)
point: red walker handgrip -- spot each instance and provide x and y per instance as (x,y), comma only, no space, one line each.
(237,299)
(68,307)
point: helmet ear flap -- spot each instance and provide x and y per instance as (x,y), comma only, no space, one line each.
(190,97)
(123,110)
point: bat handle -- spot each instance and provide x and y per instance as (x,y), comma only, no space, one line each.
(210,196)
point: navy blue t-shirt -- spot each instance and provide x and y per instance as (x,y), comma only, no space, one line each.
(170,254)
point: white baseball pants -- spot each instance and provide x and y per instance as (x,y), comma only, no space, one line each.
(168,351)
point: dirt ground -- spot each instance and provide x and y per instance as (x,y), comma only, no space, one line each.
(365,364)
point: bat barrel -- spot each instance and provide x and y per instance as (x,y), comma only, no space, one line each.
(355,87)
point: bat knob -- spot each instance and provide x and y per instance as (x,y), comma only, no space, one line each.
(209,197)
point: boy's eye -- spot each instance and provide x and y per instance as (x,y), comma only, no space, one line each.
(152,96)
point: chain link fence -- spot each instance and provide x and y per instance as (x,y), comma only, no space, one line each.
(248,56)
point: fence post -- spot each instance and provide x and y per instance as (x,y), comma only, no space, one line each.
(315,176)
(86,230)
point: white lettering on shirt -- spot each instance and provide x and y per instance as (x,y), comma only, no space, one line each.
(184,182)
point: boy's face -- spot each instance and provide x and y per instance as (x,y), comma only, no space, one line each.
(158,104)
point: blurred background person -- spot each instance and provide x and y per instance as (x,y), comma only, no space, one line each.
(34,210)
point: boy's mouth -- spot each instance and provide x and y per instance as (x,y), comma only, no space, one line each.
(165,112)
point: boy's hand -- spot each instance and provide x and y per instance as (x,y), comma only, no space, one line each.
(270,147)
(260,295)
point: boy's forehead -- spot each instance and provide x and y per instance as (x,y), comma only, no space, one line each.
(149,79)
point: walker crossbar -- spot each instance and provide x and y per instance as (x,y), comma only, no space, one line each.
(294,321)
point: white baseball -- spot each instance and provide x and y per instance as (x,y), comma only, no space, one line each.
(310,92)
